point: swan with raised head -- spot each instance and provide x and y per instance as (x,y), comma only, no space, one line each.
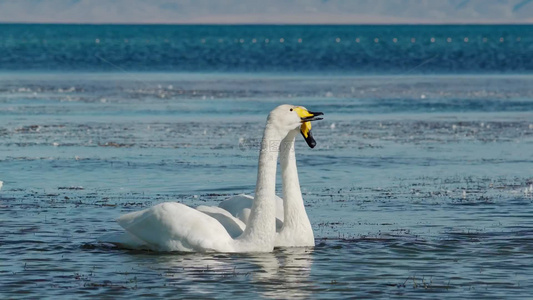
(293,228)
(174,226)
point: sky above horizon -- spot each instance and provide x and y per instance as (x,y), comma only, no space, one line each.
(267,12)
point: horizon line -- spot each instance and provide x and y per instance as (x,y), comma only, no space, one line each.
(271,23)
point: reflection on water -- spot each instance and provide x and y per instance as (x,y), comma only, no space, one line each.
(283,273)
(286,272)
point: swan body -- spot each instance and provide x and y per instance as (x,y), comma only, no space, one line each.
(172,226)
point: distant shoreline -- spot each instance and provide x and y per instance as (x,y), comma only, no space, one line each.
(269,24)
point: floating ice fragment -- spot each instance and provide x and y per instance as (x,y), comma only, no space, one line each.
(422,96)
(1,184)
(528,191)
(332,126)
(55,144)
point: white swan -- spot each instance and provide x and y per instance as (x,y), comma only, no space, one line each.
(173,226)
(292,223)
(296,230)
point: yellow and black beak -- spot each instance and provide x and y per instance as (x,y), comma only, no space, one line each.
(306,117)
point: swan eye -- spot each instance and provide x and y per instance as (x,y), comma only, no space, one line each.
(291,109)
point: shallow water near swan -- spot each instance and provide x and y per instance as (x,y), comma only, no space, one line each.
(419,187)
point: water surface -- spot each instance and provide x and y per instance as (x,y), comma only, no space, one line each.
(317,49)
(419,187)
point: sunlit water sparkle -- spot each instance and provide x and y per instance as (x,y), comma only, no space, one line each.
(419,186)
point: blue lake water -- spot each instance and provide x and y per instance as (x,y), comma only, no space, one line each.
(318,49)
(420,185)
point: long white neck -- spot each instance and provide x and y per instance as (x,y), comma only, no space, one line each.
(261,228)
(295,216)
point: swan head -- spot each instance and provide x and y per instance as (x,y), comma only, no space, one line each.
(288,117)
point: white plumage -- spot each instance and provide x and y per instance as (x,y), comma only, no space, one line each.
(174,226)
(293,227)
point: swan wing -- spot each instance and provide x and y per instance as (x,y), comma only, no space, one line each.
(235,205)
(234,226)
(172,226)
(240,206)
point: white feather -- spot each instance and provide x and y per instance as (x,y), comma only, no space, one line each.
(176,227)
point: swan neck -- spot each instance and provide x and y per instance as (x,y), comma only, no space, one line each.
(262,225)
(293,205)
